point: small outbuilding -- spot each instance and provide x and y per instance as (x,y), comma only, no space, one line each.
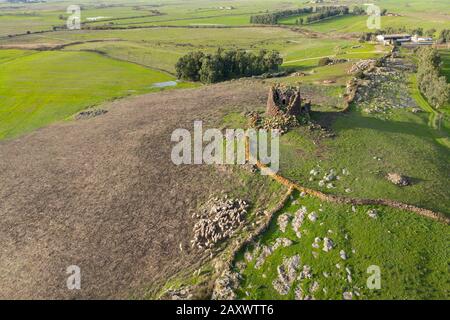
(393,38)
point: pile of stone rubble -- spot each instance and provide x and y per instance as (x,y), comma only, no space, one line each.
(398,179)
(90,113)
(384,87)
(362,65)
(225,285)
(287,272)
(266,251)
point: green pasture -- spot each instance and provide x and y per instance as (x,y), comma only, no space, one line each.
(42,87)
(411,252)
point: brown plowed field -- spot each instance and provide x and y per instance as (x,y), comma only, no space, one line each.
(103,194)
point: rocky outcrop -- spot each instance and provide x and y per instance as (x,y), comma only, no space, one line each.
(398,179)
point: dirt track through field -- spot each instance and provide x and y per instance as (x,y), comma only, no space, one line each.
(103,194)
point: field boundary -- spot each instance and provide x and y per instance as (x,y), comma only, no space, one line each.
(355,201)
(342,199)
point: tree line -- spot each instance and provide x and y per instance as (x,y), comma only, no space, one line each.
(333,11)
(274,17)
(226,64)
(432,85)
(361,11)
(444,36)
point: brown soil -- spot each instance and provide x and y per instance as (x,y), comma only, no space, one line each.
(103,194)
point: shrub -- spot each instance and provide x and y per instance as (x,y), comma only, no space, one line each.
(324,62)
(433,86)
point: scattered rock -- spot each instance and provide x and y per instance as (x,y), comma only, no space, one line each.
(348,295)
(312,216)
(298,293)
(373,213)
(91,113)
(306,273)
(343,255)
(297,222)
(266,251)
(225,285)
(398,179)
(314,287)
(287,273)
(283,221)
(327,244)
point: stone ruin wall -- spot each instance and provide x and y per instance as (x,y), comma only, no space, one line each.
(286,100)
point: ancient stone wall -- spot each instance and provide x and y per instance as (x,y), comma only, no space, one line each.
(285,100)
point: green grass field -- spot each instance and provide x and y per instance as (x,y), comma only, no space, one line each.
(43,16)
(38,88)
(410,251)
(160,48)
(369,148)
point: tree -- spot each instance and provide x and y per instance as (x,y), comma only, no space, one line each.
(271,61)
(430,32)
(359,11)
(226,64)
(433,86)
(444,36)
(188,66)
(324,61)
(211,69)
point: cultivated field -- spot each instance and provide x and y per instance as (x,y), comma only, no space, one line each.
(104,195)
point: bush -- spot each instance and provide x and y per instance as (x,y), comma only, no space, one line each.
(433,86)
(360,74)
(324,62)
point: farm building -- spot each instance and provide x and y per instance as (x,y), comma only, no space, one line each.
(422,40)
(393,38)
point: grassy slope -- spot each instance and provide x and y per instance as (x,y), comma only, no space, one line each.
(360,141)
(37,17)
(43,87)
(423,154)
(411,252)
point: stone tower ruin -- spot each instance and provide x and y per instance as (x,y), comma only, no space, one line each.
(286,100)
